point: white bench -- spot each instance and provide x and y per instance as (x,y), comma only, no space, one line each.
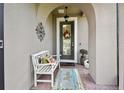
(40,68)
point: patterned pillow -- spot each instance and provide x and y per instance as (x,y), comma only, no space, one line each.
(45,60)
(52,60)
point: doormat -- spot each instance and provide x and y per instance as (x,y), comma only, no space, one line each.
(68,79)
(67,64)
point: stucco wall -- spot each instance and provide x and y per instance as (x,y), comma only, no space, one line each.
(44,10)
(82,35)
(90,14)
(106,44)
(47,43)
(121,45)
(20,42)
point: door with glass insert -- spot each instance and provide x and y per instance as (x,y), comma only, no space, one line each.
(67,40)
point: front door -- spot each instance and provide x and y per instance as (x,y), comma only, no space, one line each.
(67,40)
(1,49)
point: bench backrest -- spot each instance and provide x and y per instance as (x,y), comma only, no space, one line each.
(36,56)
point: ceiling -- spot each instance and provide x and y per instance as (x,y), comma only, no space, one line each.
(72,10)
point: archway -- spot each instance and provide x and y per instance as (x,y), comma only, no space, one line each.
(88,10)
(93,14)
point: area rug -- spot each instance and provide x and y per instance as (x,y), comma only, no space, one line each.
(68,79)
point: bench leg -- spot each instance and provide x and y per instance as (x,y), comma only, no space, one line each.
(52,81)
(35,80)
(59,64)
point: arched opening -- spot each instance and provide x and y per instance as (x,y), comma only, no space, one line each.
(96,43)
(88,10)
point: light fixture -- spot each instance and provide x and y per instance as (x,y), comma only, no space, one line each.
(66,16)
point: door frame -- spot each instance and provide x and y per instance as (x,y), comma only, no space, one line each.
(58,38)
(2,48)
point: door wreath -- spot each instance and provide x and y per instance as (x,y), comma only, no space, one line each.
(67,34)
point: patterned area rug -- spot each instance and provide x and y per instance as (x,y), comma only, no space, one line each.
(68,79)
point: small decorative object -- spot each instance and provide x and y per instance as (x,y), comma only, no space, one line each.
(40,31)
(86,63)
(83,56)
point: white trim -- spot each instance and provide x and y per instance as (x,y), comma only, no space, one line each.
(58,38)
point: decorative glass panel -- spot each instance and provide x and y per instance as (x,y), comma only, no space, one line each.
(66,39)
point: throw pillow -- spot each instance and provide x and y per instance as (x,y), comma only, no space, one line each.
(52,60)
(45,60)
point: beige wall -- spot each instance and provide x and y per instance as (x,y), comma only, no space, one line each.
(82,35)
(20,42)
(121,45)
(44,10)
(47,43)
(90,14)
(106,44)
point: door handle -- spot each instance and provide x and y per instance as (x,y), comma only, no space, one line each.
(1,43)
(72,44)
